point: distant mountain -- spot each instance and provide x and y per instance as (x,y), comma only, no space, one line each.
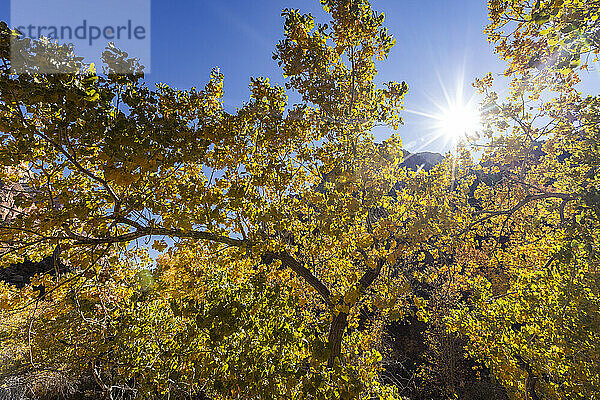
(425,160)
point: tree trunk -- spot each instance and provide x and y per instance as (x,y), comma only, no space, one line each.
(340,321)
(336,333)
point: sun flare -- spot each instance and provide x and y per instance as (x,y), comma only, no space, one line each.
(459,121)
(451,118)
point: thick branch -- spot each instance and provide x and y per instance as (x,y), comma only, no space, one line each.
(287,260)
(141,232)
(370,276)
(290,262)
(528,199)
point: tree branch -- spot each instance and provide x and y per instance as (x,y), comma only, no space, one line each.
(144,231)
(526,200)
(290,262)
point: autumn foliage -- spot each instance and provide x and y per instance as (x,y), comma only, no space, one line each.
(278,251)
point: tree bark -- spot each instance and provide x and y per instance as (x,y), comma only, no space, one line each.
(336,333)
(290,262)
(340,321)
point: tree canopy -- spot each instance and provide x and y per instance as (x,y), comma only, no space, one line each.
(292,244)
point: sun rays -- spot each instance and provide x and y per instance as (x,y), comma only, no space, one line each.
(450,118)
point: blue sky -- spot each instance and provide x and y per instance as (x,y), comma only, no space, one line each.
(440,45)
(438,42)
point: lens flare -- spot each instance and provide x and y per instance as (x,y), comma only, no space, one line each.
(459,121)
(452,117)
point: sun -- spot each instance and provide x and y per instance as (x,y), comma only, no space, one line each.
(458,121)
(452,118)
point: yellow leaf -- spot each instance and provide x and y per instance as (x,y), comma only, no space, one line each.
(159,245)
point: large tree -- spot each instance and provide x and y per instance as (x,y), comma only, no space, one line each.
(289,237)
(108,163)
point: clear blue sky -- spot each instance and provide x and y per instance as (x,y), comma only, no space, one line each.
(436,40)
(438,43)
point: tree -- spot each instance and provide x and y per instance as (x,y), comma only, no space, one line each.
(289,237)
(110,162)
(533,314)
(559,34)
